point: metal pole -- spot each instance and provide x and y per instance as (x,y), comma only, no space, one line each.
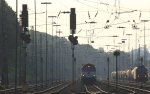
(72,47)
(36,69)
(46,48)
(56,57)
(56,53)
(108,71)
(25,65)
(33,52)
(52,49)
(61,62)
(116,53)
(46,43)
(144,46)
(73,31)
(59,58)
(16,59)
(135,45)
(108,67)
(144,40)
(41,59)
(132,58)
(65,51)
(129,49)
(139,52)
(116,74)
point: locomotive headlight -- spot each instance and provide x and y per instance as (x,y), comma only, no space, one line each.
(94,75)
(82,75)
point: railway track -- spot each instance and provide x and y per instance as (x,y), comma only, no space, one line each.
(31,89)
(132,89)
(136,90)
(54,90)
(93,89)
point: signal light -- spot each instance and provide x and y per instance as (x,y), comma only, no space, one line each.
(25,36)
(73,39)
(73,20)
(24,16)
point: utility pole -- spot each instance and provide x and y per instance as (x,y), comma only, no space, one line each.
(144,57)
(59,70)
(108,67)
(52,61)
(56,57)
(108,72)
(132,59)
(129,49)
(123,42)
(16,59)
(41,59)
(46,73)
(116,53)
(33,53)
(73,41)
(139,55)
(135,28)
(25,36)
(36,64)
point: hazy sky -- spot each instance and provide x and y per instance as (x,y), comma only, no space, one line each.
(107,13)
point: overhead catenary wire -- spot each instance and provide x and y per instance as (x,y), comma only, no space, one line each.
(107,4)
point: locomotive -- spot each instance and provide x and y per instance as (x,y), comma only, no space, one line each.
(138,74)
(88,73)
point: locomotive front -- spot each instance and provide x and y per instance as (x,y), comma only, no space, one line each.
(88,73)
(141,74)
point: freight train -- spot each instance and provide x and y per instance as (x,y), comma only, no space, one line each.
(138,74)
(88,73)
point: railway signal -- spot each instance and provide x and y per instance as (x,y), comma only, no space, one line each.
(24,16)
(73,21)
(25,36)
(24,19)
(73,39)
(116,53)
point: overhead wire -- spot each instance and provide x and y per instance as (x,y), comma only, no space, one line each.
(99,10)
(118,12)
(115,5)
